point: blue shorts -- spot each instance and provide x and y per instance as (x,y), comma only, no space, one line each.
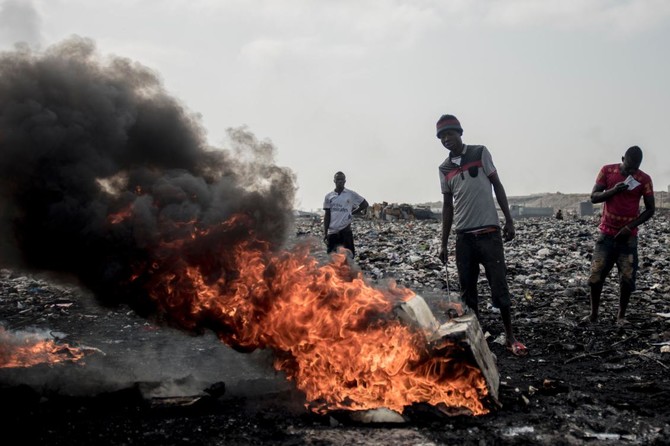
(608,252)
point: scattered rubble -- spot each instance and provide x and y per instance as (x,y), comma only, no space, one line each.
(394,212)
(594,384)
(596,381)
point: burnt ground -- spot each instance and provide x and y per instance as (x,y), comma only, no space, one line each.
(145,384)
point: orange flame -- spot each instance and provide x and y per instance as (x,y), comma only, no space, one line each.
(333,333)
(120,216)
(26,350)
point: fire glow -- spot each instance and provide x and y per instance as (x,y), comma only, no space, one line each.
(27,350)
(333,334)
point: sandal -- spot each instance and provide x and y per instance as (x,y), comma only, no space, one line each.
(517,349)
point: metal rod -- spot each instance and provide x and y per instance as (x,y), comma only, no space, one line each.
(446,278)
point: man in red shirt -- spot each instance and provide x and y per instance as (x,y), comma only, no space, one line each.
(619,187)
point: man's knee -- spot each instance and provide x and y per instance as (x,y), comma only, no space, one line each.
(627,281)
(501,299)
(627,266)
(598,267)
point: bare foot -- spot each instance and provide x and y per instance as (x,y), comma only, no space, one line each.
(589,319)
(517,348)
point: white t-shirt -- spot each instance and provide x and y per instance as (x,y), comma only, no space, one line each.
(341,206)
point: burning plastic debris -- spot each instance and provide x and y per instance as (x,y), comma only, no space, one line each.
(24,349)
(334,335)
(105,177)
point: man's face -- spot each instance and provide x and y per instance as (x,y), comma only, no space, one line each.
(339,182)
(629,166)
(451,140)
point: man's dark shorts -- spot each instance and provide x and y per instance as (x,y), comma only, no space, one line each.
(487,250)
(344,238)
(608,252)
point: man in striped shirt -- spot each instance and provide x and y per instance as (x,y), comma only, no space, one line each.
(468,179)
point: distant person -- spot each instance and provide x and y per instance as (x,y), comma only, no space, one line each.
(559,215)
(466,179)
(340,205)
(620,187)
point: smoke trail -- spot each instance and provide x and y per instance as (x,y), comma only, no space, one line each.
(99,167)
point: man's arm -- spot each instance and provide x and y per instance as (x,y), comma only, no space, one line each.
(361,207)
(501,197)
(599,194)
(649,210)
(326,223)
(447,220)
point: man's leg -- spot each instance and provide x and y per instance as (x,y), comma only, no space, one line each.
(506,315)
(334,240)
(596,291)
(601,264)
(348,241)
(493,259)
(627,264)
(624,298)
(468,272)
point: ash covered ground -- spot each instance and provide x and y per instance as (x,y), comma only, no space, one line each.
(147,384)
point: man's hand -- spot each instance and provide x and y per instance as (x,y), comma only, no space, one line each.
(623,233)
(619,187)
(443,255)
(508,231)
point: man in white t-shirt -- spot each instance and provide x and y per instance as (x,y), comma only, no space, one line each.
(340,206)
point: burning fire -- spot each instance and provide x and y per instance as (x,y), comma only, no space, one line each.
(130,200)
(333,334)
(22,349)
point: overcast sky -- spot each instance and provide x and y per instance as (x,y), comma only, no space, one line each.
(554,88)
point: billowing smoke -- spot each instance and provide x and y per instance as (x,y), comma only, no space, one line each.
(101,170)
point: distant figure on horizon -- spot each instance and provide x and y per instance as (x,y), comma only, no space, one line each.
(620,187)
(559,215)
(466,179)
(340,205)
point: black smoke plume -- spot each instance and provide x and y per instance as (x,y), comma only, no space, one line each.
(100,169)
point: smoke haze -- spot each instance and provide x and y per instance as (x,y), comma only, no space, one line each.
(20,22)
(99,167)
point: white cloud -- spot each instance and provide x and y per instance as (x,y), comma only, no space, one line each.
(266,51)
(613,16)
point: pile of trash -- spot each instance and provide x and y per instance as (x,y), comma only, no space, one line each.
(548,255)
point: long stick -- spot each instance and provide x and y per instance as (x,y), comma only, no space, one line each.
(446,278)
